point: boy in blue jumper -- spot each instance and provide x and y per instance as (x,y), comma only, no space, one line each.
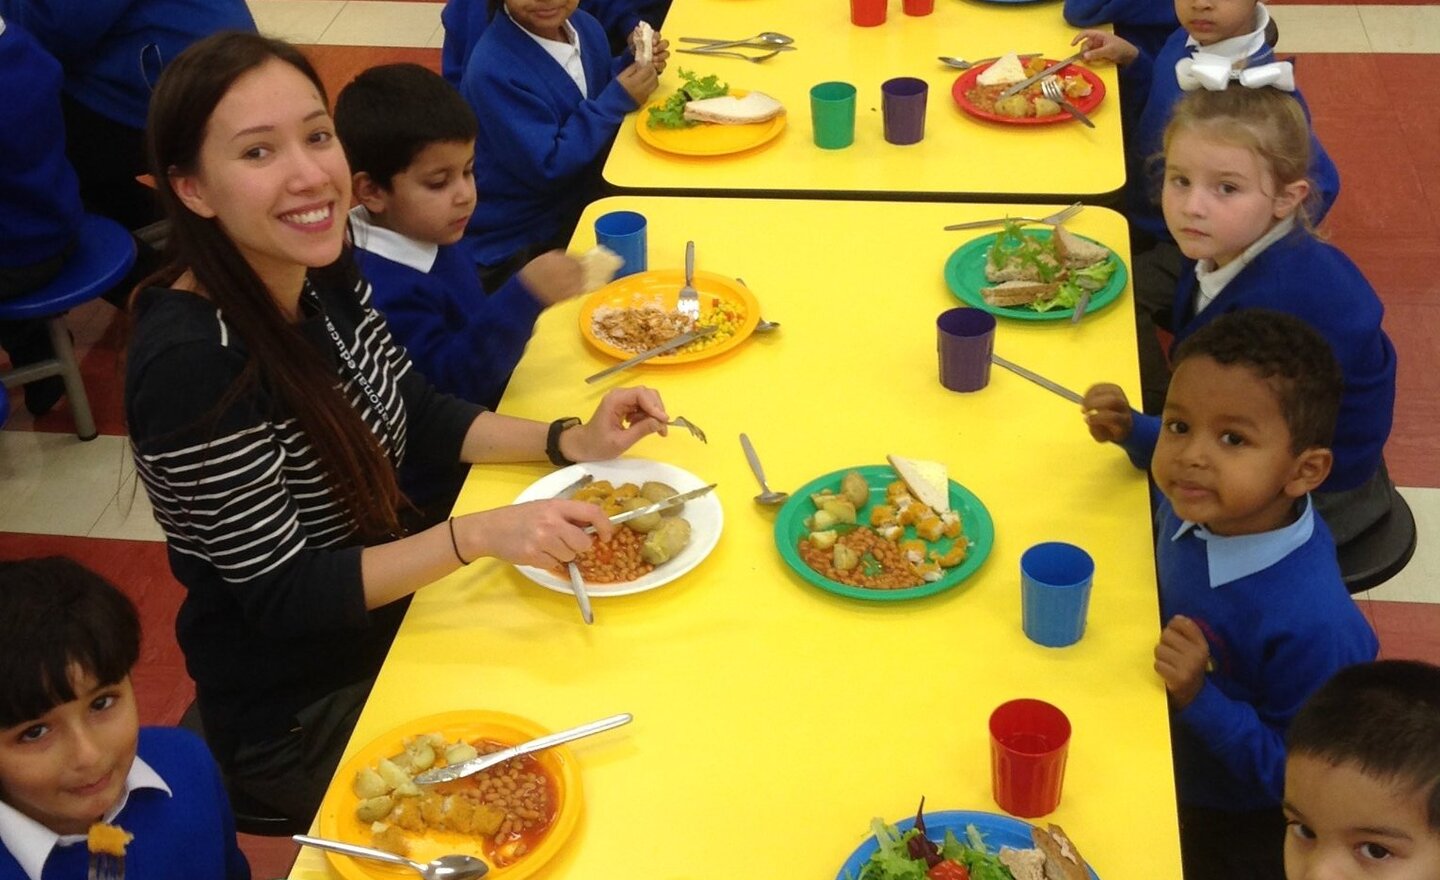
(549,99)
(72,753)
(410,140)
(1362,783)
(1256,615)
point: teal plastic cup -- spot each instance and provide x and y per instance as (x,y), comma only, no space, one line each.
(832,113)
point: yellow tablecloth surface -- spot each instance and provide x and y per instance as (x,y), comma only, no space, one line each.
(772,719)
(960,155)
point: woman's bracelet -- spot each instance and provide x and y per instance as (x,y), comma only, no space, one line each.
(455,543)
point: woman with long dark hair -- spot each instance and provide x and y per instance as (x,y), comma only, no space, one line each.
(268,409)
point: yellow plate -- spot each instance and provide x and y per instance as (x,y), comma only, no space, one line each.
(661,287)
(708,139)
(337,810)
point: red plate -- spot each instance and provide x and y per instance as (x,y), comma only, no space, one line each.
(966,82)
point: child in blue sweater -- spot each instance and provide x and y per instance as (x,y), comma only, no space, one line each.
(1362,783)
(549,99)
(1234,198)
(410,141)
(1256,615)
(1218,41)
(73,754)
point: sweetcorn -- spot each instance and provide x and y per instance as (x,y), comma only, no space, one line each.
(725,317)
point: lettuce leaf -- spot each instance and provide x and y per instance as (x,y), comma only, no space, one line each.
(671,113)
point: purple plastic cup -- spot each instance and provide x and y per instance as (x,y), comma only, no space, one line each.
(966,339)
(903,104)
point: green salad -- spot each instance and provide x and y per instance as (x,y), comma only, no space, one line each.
(671,114)
(911,855)
(1042,262)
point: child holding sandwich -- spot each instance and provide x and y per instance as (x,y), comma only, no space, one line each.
(1362,783)
(549,99)
(1217,42)
(465,20)
(1256,615)
(1234,198)
(73,755)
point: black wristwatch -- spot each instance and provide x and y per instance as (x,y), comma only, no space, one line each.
(552,440)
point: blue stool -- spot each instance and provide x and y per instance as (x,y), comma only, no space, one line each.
(104,252)
(4,405)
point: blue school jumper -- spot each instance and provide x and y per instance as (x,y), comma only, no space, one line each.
(465,342)
(465,20)
(1145,23)
(1279,624)
(39,194)
(1305,277)
(114,50)
(188,834)
(1144,170)
(540,140)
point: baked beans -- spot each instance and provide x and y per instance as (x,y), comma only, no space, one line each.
(614,561)
(889,571)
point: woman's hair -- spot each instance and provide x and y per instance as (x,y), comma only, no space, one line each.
(1267,121)
(279,358)
(57,617)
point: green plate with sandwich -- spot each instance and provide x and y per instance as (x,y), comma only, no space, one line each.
(1039,277)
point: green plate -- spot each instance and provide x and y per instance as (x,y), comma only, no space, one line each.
(965,276)
(979,530)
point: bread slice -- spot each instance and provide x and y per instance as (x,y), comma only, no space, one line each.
(928,481)
(642,41)
(1007,71)
(730,110)
(1024,864)
(1075,251)
(1062,859)
(599,265)
(1017,293)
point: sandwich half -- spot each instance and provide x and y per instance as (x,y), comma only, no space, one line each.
(730,110)
(1062,859)
(1075,251)
(928,481)
(642,41)
(1018,293)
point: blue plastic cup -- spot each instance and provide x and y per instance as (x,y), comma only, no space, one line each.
(624,233)
(1055,593)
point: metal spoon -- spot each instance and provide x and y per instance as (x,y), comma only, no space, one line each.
(767,497)
(452,867)
(769,37)
(764,326)
(957,63)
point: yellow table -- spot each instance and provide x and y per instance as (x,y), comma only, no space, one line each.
(960,155)
(773,720)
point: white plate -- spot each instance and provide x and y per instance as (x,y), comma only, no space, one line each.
(704,514)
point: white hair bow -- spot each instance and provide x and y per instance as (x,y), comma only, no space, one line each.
(1215,72)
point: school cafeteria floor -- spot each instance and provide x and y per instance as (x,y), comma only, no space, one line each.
(1357,66)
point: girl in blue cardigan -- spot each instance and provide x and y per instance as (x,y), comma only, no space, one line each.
(1235,196)
(549,99)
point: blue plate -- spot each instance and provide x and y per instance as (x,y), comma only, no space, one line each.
(998,830)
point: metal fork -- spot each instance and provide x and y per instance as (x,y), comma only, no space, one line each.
(1056,92)
(104,866)
(753,59)
(694,429)
(689,302)
(1054,219)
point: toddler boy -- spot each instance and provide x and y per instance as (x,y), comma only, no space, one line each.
(72,753)
(1256,615)
(1362,784)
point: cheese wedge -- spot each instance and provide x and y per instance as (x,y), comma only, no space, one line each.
(1007,71)
(928,481)
(599,265)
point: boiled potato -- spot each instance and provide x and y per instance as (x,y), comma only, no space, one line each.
(369,784)
(824,540)
(845,557)
(1046,107)
(422,755)
(460,753)
(391,772)
(669,539)
(856,489)
(841,509)
(1017,106)
(642,524)
(374,809)
(653,491)
(822,520)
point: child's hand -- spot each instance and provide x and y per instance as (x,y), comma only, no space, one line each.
(1100,46)
(1181,659)
(553,276)
(640,81)
(1107,413)
(661,54)
(623,417)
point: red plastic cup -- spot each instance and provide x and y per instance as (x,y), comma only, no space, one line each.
(867,13)
(919,7)
(1029,740)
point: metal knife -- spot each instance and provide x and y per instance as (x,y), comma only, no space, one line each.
(1037,379)
(669,345)
(663,504)
(577,586)
(1026,83)
(1080,307)
(475,765)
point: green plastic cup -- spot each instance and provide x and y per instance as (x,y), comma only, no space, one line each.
(832,113)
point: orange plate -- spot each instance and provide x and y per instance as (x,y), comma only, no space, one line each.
(661,288)
(1086,105)
(337,810)
(708,139)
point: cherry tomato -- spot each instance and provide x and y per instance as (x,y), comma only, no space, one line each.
(948,870)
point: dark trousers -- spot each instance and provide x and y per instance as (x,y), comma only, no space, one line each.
(107,157)
(1216,845)
(1156,267)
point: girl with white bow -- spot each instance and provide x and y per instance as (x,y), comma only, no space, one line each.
(1219,42)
